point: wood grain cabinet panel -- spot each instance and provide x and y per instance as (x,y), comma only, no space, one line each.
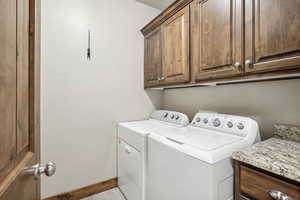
(252,183)
(198,41)
(272,35)
(8,70)
(153,58)
(23,75)
(175,53)
(216,38)
(19,98)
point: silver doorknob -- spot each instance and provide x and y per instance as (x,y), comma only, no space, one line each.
(237,65)
(37,170)
(277,195)
(248,63)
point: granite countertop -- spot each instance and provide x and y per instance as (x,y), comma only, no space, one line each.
(279,155)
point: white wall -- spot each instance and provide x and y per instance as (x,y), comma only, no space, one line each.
(271,102)
(83,100)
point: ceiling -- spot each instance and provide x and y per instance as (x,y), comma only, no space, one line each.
(159,4)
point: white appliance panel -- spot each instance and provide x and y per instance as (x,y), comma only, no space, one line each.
(174,175)
(130,171)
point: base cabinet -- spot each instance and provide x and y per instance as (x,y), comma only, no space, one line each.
(254,184)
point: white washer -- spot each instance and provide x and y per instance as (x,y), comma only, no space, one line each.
(196,164)
(132,149)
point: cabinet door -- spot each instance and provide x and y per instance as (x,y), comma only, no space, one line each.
(216,38)
(272,36)
(153,58)
(175,33)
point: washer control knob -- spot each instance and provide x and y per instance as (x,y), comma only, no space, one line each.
(241,126)
(172,116)
(165,115)
(217,122)
(177,117)
(205,121)
(198,119)
(229,124)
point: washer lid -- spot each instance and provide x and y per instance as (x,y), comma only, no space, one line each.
(206,145)
(203,139)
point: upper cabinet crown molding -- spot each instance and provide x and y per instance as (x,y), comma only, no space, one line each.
(164,15)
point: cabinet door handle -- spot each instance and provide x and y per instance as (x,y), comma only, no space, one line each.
(277,195)
(162,78)
(248,63)
(237,65)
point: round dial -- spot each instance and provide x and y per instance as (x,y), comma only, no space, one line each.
(177,117)
(229,124)
(165,115)
(172,116)
(198,119)
(205,121)
(217,122)
(241,126)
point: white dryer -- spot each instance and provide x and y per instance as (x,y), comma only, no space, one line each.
(132,149)
(196,164)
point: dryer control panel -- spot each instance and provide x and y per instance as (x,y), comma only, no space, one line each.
(171,117)
(231,124)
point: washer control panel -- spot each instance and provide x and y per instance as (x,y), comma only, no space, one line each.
(231,124)
(171,117)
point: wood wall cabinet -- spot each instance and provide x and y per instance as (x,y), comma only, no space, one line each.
(153,58)
(272,35)
(167,51)
(216,39)
(175,45)
(219,40)
(255,184)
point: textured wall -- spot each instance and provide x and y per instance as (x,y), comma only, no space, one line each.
(82,101)
(271,102)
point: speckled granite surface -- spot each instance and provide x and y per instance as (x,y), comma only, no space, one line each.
(287,132)
(281,157)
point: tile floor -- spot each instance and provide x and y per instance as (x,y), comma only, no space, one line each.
(113,194)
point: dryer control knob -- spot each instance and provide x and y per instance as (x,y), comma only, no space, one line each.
(229,124)
(217,122)
(177,117)
(165,115)
(172,116)
(205,121)
(241,126)
(198,119)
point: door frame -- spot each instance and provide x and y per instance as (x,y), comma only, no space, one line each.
(34,79)
(34,102)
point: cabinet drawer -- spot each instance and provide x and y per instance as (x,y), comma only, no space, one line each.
(257,185)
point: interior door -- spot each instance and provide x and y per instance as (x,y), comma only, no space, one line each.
(19,100)
(272,36)
(175,32)
(153,58)
(216,39)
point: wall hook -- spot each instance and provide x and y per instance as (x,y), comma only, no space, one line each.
(89,45)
